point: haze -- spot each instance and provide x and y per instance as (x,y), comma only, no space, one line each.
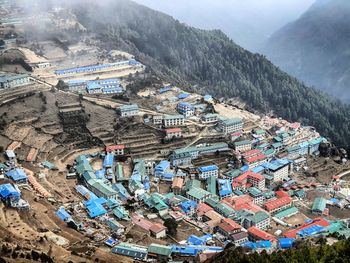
(248,22)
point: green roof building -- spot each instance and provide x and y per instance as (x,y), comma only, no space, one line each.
(211,185)
(198,194)
(319,205)
(159,251)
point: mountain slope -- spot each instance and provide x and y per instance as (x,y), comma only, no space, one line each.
(210,59)
(315,48)
(249,23)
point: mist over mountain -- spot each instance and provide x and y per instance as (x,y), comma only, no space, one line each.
(209,61)
(315,48)
(249,23)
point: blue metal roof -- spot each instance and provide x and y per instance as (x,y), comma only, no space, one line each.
(7,190)
(185,250)
(108,161)
(16,174)
(184,105)
(100,174)
(183,96)
(95,209)
(165,89)
(310,231)
(63,214)
(286,242)
(208,168)
(187,206)
(123,194)
(258,169)
(225,187)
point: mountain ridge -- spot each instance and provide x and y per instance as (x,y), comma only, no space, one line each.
(208,61)
(315,48)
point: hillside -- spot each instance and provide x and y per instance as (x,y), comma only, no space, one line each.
(338,252)
(315,48)
(209,59)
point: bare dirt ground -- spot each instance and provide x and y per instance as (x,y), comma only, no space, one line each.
(231,112)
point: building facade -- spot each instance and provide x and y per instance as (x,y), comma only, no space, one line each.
(173,120)
(230,125)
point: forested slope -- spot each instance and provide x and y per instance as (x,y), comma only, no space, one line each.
(210,59)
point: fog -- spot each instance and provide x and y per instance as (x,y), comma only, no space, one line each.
(248,22)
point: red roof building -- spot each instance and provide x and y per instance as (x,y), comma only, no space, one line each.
(278,204)
(177,185)
(173,130)
(281,194)
(249,179)
(251,153)
(317,221)
(228,227)
(118,149)
(259,234)
(255,159)
(202,208)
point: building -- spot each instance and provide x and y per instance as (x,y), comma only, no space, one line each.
(230,125)
(129,110)
(97,68)
(228,227)
(254,161)
(279,169)
(243,146)
(173,120)
(257,195)
(225,188)
(116,149)
(160,252)
(319,205)
(249,179)
(257,180)
(101,189)
(209,118)
(9,80)
(177,185)
(105,86)
(208,171)
(277,205)
(173,133)
(162,168)
(130,250)
(158,230)
(258,234)
(195,151)
(17,175)
(157,119)
(239,238)
(77,85)
(185,109)
(316,222)
(198,194)
(180,159)
(10,156)
(248,219)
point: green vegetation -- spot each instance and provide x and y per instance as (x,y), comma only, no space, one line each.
(208,61)
(337,253)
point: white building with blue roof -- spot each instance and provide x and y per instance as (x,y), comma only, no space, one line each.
(10,80)
(185,109)
(208,171)
(129,110)
(279,169)
(230,125)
